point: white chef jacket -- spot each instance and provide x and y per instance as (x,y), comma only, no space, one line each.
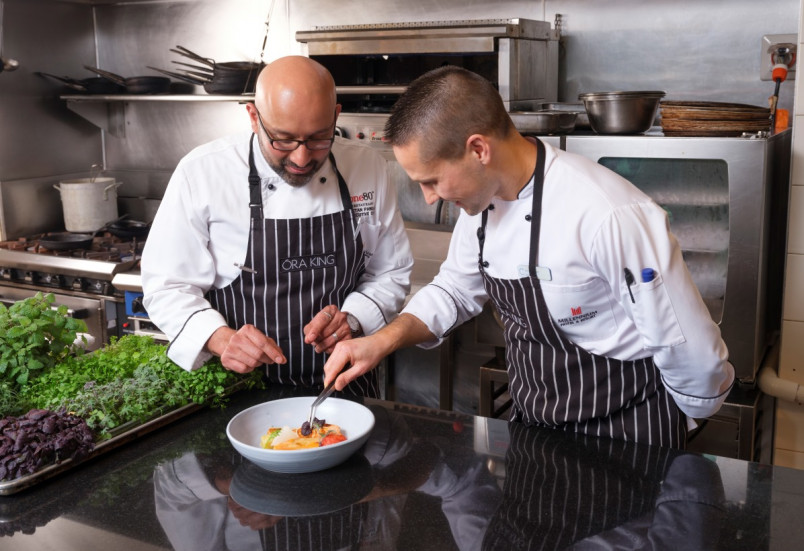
(201,232)
(594,225)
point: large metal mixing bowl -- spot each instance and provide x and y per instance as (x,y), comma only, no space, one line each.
(621,112)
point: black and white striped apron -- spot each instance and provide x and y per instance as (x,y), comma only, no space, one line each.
(562,488)
(554,382)
(295,267)
(339,530)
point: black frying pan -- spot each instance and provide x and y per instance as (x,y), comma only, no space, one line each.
(129,228)
(136,85)
(96,85)
(66,241)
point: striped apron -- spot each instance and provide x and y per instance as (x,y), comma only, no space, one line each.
(563,488)
(554,382)
(295,268)
(343,529)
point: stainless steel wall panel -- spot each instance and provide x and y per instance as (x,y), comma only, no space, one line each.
(159,134)
(39,136)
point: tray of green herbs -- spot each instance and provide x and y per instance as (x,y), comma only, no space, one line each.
(121,391)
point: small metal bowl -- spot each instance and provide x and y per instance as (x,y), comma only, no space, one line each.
(621,112)
(544,122)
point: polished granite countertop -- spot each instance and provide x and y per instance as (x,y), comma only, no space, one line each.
(426,479)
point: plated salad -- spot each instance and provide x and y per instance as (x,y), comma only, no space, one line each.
(310,435)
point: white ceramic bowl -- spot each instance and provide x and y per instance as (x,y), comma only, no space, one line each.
(246,428)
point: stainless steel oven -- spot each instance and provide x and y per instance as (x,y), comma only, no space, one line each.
(372,64)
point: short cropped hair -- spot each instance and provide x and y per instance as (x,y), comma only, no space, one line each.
(442,108)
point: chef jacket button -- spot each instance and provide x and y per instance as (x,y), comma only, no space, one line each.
(271,186)
(491,206)
(528,217)
(485,263)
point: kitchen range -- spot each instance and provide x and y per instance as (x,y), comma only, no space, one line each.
(79,277)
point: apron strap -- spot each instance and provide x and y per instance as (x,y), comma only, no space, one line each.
(536,215)
(345,198)
(255,190)
(536,209)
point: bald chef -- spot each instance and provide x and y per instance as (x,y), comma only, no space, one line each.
(273,245)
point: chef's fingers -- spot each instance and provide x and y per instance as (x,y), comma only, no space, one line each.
(360,353)
(269,350)
(324,325)
(343,333)
(249,348)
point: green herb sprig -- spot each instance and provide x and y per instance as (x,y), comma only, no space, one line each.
(35,335)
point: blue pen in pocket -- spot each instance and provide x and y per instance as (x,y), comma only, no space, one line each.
(647,275)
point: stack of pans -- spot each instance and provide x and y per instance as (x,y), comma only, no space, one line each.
(229,77)
(704,118)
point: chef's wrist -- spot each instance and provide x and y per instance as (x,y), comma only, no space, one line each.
(354,325)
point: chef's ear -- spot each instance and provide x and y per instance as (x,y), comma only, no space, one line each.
(252,115)
(478,147)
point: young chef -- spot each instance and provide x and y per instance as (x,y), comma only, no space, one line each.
(277,243)
(559,244)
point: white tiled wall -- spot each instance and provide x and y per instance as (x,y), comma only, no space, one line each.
(789,437)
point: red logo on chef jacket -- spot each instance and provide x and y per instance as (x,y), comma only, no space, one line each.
(577,317)
(363,203)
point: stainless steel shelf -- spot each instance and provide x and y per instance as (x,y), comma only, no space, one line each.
(108,111)
(95,98)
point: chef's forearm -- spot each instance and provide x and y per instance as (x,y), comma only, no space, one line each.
(406,330)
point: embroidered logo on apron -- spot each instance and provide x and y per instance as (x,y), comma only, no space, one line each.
(307,263)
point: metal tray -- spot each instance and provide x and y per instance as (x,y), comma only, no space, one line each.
(122,435)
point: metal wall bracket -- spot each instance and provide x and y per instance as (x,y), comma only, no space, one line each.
(109,116)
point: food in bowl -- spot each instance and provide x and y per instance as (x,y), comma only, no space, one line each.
(317,435)
(247,427)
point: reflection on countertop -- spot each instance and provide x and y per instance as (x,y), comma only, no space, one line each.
(427,479)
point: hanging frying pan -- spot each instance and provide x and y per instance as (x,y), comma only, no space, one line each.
(136,85)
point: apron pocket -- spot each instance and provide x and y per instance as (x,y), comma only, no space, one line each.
(583,312)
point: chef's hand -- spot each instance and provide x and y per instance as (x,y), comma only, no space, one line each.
(366,352)
(327,328)
(363,354)
(244,350)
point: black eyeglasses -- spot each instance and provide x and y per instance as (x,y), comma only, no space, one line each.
(286,144)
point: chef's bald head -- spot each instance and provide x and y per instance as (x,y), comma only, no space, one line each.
(297,85)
